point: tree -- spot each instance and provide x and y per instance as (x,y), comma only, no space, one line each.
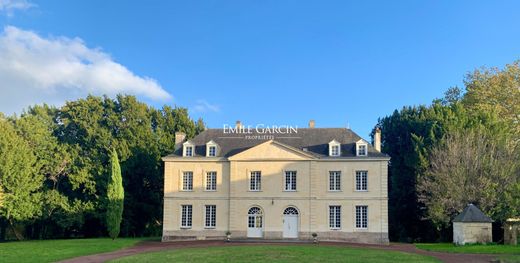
(69,145)
(19,181)
(495,90)
(477,165)
(115,197)
(408,137)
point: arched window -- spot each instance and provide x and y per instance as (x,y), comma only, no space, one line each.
(255,211)
(290,211)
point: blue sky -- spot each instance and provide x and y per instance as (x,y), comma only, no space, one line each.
(273,62)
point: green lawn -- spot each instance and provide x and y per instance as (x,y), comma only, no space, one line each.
(53,250)
(276,253)
(473,248)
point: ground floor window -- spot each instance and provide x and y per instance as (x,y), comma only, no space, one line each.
(361,216)
(255,218)
(335,217)
(211,216)
(186,216)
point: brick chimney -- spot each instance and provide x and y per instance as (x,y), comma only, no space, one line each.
(377,139)
(312,124)
(179,139)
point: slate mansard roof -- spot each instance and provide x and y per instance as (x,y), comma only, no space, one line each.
(472,214)
(314,141)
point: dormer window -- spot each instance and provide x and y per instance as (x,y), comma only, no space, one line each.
(211,149)
(361,148)
(334,148)
(188,149)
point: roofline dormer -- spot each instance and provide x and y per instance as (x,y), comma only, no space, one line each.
(186,152)
(209,144)
(332,152)
(361,148)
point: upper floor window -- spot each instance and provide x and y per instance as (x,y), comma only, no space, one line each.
(334,181)
(335,217)
(290,180)
(211,181)
(361,148)
(255,181)
(362,216)
(188,149)
(211,216)
(361,180)
(211,149)
(187,181)
(334,148)
(186,216)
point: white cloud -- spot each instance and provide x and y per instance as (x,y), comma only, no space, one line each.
(9,6)
(35,69)
(204,106)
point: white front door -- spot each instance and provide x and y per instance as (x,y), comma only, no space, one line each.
(254,226)
(290,226)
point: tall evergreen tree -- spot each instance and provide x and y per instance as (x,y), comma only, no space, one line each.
(116,195)
(19,181)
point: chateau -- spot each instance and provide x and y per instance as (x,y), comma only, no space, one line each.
(327,181)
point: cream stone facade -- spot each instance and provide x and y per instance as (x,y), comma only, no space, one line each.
(287,187)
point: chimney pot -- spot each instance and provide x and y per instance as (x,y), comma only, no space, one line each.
(312,124)
(377,139)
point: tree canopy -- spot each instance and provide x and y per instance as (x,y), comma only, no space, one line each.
(63,158)
(462,148)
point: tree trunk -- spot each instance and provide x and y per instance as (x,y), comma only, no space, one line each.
(16,233)
(3,229)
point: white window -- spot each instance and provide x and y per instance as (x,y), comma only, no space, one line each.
(186,216)
(335,217)
(187,181)
(361,181)
(188,150)
(361,216)
(211,181)
(212,151)
(255,181)
(361,148)
(211,216)
(334,148)
(334,181)
(290,180)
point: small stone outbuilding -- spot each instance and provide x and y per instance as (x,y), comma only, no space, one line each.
(472,226)
(512,231)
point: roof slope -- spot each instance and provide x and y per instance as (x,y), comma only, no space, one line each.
(312,140)
(472,214)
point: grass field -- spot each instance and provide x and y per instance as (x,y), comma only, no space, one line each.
(54,250)
(472,248)
(277,253)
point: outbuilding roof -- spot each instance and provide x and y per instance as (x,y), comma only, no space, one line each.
(472,214)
